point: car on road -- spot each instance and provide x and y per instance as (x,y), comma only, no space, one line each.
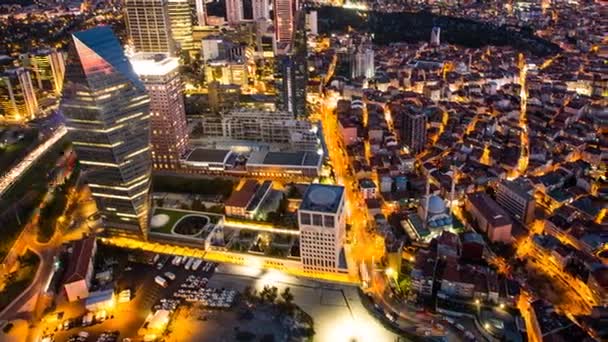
(189,264)
(197,263)
(170,275)
(161,281)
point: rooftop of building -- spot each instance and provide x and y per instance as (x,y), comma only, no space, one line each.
(204,155)
(78,263)
(243,196)
(322,198)
(299,158)
(493,213)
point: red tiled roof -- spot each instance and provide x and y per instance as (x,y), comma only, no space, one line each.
(242,197)
(82,252)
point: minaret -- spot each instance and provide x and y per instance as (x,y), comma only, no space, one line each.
(426,200)
(453,189)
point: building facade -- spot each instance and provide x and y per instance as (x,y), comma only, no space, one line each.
(284,18)
(18,102)
(47,68)
(260,9)
(201,12)
(234,11)
(149,25)
(107,115)
(277,127)
(362,62)
(491,219)
(180,16)
(169,138)
(321,219)
(413,130)
(517,200)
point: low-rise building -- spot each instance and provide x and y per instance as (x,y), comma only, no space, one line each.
(489,216)
(79,271)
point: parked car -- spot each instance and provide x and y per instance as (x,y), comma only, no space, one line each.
(161,281)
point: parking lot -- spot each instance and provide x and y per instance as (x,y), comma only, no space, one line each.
(124,320)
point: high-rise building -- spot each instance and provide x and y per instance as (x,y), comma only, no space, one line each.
(260,9)
(284,18)
(292,77)
(160,75)
(149,25)
(516,197)
(234,11)
(201,12)
(18,103)
(362,62)
(107,115)
(312,22)
(322,224)
(413,129)
(47,68)
(180,16)
(436,36)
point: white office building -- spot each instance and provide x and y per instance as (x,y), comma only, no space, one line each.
(322,223)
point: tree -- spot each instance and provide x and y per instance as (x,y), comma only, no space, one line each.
(287,296)
(264,294)
(249,293)
(405,285)
(273,294)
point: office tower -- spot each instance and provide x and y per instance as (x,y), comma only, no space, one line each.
(516,197)
(149,25)
(362,62)
(435,36)
(293,78)
(201,12)
(284,17)
(261,9)
(312,22)
(322,224)
(234,11)
(107,116)
(180,16)
(18,103)
(413,130)
(47,68)
(160,75)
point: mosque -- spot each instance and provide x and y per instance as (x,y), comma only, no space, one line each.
(432,218)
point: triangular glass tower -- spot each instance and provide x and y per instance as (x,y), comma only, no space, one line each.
(107,114)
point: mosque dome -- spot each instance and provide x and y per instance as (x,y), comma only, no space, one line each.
(436,205)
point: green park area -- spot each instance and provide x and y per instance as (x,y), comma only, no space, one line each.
(20,141)
(24,197)
(16,282)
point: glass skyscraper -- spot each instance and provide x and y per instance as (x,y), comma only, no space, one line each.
(107,115)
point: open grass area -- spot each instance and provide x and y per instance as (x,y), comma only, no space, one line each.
(19,280)
(175,215)
(13,153)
